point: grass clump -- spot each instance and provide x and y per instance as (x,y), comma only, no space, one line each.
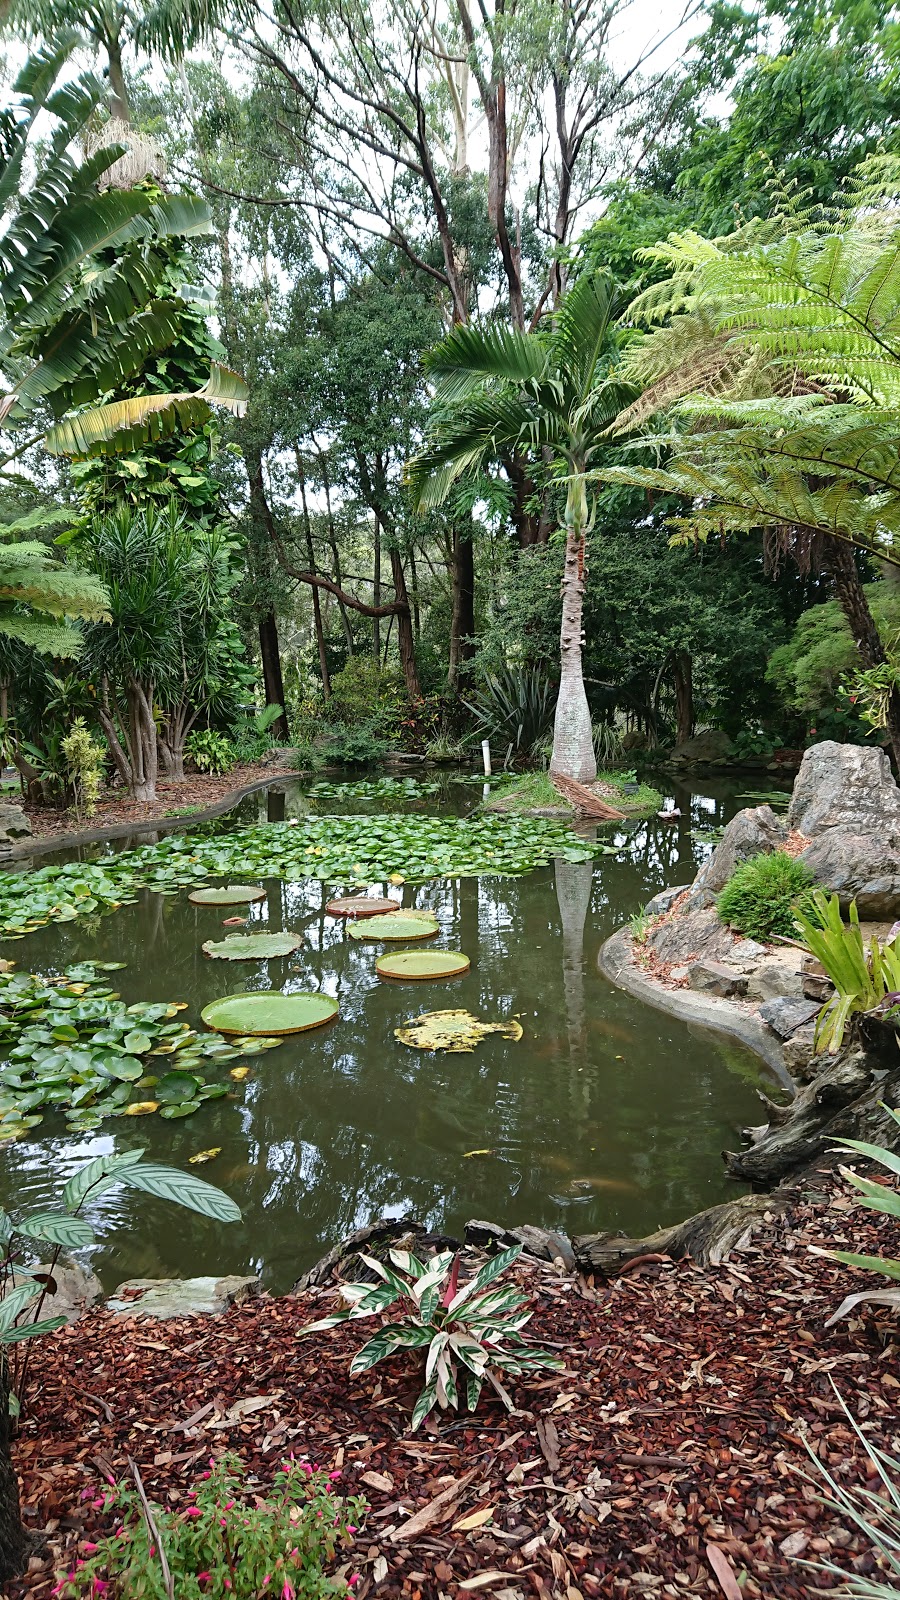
(528,791)
(642,800)
(764,895)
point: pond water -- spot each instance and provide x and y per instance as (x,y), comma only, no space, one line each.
(607,1114)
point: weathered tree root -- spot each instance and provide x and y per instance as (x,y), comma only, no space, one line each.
(707,1237)
(841,1103)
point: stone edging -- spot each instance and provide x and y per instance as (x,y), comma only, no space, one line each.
(24,848)
(618,965)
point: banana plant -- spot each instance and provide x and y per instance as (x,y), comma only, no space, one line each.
(463,1330)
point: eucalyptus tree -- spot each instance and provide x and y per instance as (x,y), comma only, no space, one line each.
(554,391)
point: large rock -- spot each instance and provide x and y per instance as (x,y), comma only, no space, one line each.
(714,977)
(859,865)
(785,1016)
(698,933)
(844,786)
(752,832)
(72,1291)
(713,746)
(181,1297)
(13,822)
(777,975)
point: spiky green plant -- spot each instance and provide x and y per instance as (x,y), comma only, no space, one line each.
(863,979)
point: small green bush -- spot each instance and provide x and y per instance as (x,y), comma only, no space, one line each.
(353,746)
(210,751)
(765,894)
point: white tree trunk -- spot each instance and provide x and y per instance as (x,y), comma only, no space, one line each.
(573,748)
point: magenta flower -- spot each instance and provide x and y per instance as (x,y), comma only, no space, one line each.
(89,1548)
(193,1511)
(288,1592)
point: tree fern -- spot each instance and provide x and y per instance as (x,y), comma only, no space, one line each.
(37,590)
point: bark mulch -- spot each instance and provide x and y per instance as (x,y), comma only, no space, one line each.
(668,1460)
(197,791)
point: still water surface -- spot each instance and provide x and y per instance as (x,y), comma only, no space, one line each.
(607,1114)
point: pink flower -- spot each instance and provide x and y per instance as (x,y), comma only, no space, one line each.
(98,1586)
(89,1548)
(228,1505)
(203,1577)
(333,1477)
(288,1592)
(351,1527)
(193,1511)
(353,1578)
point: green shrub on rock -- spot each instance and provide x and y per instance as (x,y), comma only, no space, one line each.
(764,895)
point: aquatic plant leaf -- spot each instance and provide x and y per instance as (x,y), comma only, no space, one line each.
(399,925)
(234,894)
(252,946)
(141,1108)
(359,905)
(175,1087)
(186,1110)
(420,965)
(455,1032)
(269,1012)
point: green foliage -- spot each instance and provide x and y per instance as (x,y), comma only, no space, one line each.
(364,694)
(230,1542)
(764,896)
(84,759)
(210,751)
(809,671)
(878,1197)
(71,1043)
(863,980)
(356,850)
(462,1332)
(513,708)
(38,592)
(66,1228)
(358,746)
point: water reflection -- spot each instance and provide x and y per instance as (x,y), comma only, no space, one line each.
(606,1114)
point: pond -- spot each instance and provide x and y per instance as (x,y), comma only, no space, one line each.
(606,1114)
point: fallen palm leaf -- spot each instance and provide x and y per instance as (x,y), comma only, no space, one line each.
(456,1032)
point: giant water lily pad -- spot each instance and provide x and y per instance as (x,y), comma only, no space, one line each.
(420,965)
(359,905)
(399,925)
(454,1031)
(235,894)
(269,1013)
(252,946)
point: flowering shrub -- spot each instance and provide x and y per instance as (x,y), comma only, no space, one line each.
(227,1543)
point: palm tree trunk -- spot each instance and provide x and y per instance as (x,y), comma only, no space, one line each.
(573,746)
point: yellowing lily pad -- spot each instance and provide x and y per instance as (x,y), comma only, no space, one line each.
(269,1013)
(399,925)
(203,1156)
(239,1074)
(456,1032)
(359,905)
(421,965)
(252,946)
(235,894)
(141,1108)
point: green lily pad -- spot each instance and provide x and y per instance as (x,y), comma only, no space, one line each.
(235,894)
(269,1013)
(186,1110)
(421,965)
(399,925)
(175,1087)
(252,946)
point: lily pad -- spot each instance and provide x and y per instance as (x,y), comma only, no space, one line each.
(235,894)
(269,1013)
(399,925)
(456,1032)
(359,905)
(421,965)
(252,946)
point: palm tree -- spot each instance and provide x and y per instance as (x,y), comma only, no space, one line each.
(550,395)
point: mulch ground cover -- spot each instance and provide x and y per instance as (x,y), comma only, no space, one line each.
(668,1460)
(199,790)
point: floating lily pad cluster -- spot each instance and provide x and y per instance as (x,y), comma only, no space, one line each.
(342,850)
(456,1032)
(72,1044)
(401,789)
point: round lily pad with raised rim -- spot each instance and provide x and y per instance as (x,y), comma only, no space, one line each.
(399,925)
(252,946)
(419,966)
(234,894)
(269,1013)
(359,905)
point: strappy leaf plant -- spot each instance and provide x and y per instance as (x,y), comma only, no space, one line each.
(464,1331)
(864,979)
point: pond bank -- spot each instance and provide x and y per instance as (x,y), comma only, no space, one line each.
(671,1450)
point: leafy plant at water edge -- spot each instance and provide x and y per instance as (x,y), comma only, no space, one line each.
(210,751)
(358,747)
(464,1330)
(70,1042)
(764,895)
(84,766)
(863,981)
(354,850)
(228,1542)
(878,1198)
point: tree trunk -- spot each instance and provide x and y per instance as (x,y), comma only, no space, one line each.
(573,746)
(462,622)
(271,665)
(13,1538)
(840,563)
(376,592)
(118,96)
(405,640)
(335,553)
(143,742)
(316,602)
(682,667)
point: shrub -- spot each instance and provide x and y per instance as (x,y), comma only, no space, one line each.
(210,751)
(228,1543)
(354,746)
(84,766)
(514,708)
(864,980)
(878,1197)
(764,896)
(364,693)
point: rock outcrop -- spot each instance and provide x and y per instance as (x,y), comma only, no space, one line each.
(752,832)
(860,866)
(844,786)
(710,749)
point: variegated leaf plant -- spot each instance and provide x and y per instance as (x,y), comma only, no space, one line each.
(465,1330)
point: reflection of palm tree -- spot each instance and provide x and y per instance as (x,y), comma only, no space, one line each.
(573,893)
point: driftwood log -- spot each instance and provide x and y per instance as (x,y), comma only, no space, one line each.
(707,1237)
